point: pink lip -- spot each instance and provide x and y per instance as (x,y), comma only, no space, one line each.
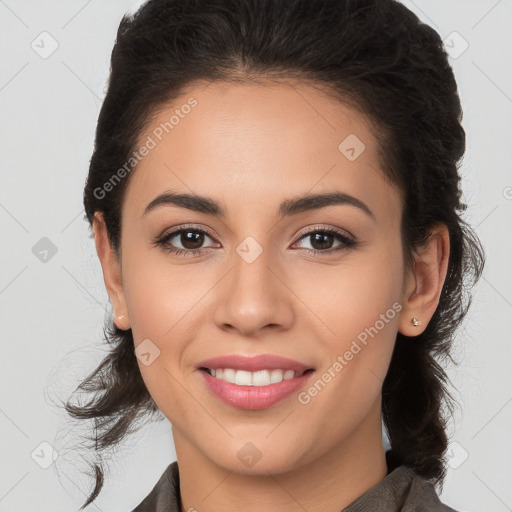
(253,397)
(253,364)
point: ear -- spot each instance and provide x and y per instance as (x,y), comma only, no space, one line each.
(424,283)
(112,275)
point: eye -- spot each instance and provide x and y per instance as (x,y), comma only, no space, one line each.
(322,239)
(191,240)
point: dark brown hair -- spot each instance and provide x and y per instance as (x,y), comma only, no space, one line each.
(374,55)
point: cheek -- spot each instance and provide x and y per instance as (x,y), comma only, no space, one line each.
(350,297)
(165,304)
(163,307)
(160,295)
(358,305)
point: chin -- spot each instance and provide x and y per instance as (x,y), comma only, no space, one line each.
(251,458)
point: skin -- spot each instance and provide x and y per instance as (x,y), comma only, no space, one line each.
(251,146)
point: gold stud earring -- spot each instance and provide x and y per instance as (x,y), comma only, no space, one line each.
(415,321)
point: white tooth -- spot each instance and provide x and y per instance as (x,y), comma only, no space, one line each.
(261,378)
(229,375)
(258,378)
(288,374)
(276,376)
(243,377)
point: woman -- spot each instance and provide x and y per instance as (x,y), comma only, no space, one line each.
(274,196)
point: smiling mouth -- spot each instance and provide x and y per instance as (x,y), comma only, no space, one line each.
(256,378)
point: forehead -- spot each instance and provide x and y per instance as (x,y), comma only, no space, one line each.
(260,143)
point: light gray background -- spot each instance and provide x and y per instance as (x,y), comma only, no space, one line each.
(51,313)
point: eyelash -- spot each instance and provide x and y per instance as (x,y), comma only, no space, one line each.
(163,241)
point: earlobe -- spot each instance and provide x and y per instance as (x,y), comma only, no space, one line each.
(425,282)
(112,274)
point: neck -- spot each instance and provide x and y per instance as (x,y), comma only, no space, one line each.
(328,484)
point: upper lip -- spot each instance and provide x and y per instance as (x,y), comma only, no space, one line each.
(254,363)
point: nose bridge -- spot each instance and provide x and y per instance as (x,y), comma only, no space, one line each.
(252,297)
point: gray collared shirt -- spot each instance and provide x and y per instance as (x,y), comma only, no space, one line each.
(401,490)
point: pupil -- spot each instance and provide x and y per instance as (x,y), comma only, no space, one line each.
(191,237)
(319,237)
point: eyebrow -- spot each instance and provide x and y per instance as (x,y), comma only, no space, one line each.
(288,207)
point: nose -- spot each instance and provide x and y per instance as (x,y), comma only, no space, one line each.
(254,296)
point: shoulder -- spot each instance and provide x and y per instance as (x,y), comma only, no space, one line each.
(164,497)
(401,490)
(422,496)
(401,487)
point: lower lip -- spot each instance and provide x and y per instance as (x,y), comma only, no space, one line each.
(253,397)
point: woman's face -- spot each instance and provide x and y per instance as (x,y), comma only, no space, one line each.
(263,278)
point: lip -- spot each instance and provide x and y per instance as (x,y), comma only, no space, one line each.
(254,363)
(253,397)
